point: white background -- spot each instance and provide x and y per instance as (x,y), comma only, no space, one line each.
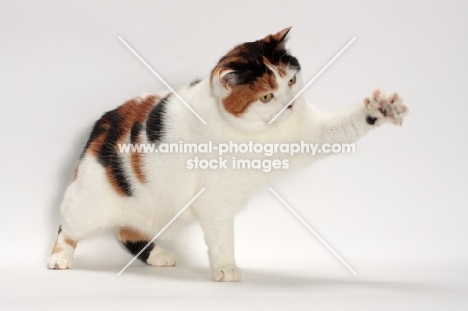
(396,210)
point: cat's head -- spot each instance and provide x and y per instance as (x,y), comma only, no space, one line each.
(255,80)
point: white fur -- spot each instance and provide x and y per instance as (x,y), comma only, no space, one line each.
(91,204)
(64,258)
(160,257)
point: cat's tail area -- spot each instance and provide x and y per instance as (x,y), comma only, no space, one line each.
(153,255)
(62,252)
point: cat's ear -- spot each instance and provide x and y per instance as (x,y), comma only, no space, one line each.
(227,78)
(279,38)
(223,80)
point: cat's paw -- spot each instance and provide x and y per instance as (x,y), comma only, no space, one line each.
(229,273)
(161,259)
(385,108)
(60,262)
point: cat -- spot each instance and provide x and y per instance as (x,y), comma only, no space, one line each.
(139,193)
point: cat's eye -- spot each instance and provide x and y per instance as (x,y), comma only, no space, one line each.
(266,98)
(292,81)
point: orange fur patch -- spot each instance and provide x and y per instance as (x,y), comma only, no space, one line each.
(136,161)
(56,249)
(131,112)
(71,242)
(130,234)
(134,111)
(243,95)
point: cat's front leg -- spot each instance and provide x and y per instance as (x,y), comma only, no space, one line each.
(349,125)
(218,229)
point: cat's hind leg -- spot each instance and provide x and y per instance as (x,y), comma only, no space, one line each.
(62,253)
(89,205)
(154,255)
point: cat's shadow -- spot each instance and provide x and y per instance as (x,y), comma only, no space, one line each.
(265,279)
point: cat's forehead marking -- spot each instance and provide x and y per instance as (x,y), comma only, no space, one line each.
(279,68)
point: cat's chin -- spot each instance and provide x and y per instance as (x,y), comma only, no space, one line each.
(284,115)
(250,126)
(258,126)
(245,124)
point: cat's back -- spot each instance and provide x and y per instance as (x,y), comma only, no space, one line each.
(127,124)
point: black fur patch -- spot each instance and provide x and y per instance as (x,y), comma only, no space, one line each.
(371,120)
(195,82)
(155,121)
(136,129)
(99,128)
(136,246)
(108,155)
(107,152)
(120,176)
(60,229)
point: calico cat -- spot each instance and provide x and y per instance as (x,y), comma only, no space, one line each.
(139,193)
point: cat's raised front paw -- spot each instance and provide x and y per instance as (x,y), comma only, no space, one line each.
(229,273)
(386,108)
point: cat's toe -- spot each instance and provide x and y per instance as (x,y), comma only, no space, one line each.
(373,102)
(165,259)
(399,110)
(60,262)
(229,273)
